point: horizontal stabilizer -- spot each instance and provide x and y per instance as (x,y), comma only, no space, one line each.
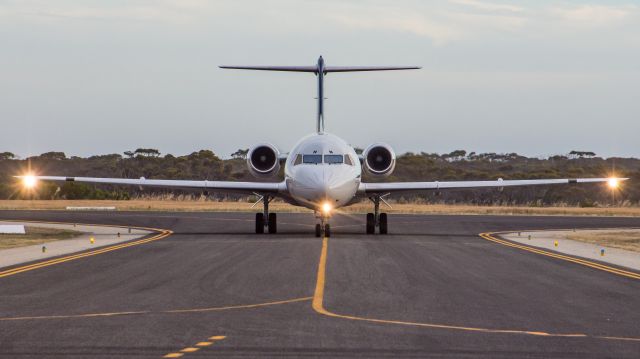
(327,69)
(367,68)
(274,68)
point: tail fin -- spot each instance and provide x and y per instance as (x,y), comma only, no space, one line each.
(320,70)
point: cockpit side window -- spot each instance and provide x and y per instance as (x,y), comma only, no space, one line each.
(298,160)
(333,159)
(347,160)
(312,159)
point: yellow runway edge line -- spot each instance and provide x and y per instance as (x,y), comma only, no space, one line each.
(318,306)
(490,237)
(162,233)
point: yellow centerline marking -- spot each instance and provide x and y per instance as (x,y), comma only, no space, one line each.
(171,311)
(173,355)
(490,237)
(244,306)
(203,344)
(318,306)
(189,350)
(162,233)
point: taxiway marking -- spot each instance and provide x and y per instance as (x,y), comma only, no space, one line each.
(162,233)
(489,236)
(171,311)
(318,306)
(194,348)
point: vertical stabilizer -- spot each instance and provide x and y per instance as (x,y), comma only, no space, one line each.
(320,73)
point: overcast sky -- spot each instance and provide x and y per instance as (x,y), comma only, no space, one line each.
(533,77)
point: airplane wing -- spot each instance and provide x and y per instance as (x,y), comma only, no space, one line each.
(394,187)
(213,186)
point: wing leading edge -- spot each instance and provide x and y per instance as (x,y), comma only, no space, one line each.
(394,187)
(214,186)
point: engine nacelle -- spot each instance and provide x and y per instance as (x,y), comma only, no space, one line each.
(264,160)
(379,159)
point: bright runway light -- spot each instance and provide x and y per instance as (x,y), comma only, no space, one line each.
(29,181)
(613,183)
(326,207)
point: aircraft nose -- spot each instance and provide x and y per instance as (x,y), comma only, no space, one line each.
(335,185)
(323,183)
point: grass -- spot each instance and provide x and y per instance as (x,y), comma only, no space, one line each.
(35,235)
(278,206)
(622,239)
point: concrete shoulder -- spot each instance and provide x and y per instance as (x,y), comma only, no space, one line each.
(559,241)
(102,236)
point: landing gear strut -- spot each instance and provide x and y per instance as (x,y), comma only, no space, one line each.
(266,219)
(376,219)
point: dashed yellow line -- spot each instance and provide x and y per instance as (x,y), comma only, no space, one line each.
(625,273)
(162,233)
(194,348)
(318,306)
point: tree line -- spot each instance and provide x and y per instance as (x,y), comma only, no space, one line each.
(456,165)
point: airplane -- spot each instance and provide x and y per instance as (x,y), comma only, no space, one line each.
(322,172)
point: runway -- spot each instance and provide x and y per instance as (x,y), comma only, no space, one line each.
(431,288)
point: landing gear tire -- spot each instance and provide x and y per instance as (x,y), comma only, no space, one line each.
(327,230)
(259,223)
(383,223)
(273,226)
(371,223)
(318,230)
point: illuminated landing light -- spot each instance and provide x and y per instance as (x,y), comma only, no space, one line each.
(326,208)
(613,183)
(29,181)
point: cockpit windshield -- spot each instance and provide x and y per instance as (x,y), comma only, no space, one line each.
(333,159)
(313,159)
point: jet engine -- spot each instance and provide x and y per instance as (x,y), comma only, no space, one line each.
(263,160)
(379,159)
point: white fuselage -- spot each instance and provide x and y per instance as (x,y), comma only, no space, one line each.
(322,169)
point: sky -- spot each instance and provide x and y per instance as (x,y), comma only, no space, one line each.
(534,77)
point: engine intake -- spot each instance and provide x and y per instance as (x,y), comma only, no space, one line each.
(263,160)
(379,159)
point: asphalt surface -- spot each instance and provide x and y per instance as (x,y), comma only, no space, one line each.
(431,288)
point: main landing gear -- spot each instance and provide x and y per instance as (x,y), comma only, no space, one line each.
(266,219)
(376,219)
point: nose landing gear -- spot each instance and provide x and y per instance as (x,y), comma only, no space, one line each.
(376,219)
(266,219)
(323,229)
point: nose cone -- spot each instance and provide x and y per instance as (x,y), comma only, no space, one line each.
(325,183)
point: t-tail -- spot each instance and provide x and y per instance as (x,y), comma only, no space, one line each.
(320,70)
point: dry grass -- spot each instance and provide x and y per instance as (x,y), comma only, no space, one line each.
(35,235)
(277,206)
(623,239)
